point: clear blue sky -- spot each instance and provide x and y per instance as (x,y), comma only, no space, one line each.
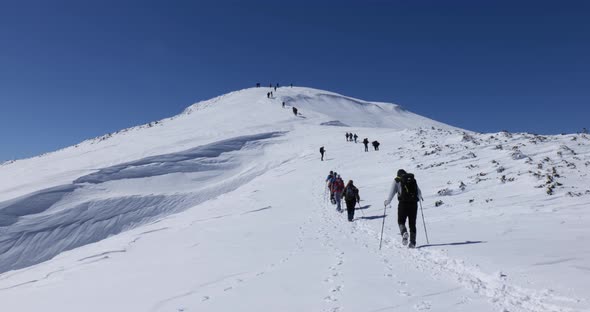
(72,70)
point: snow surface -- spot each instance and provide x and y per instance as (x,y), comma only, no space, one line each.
(224,208)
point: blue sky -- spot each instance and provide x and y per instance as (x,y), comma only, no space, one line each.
(72,70)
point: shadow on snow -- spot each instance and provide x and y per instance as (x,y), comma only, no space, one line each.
(453,244)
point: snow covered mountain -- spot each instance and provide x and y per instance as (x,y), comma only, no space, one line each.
(224,207)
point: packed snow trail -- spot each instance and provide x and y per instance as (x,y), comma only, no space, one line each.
(262,235)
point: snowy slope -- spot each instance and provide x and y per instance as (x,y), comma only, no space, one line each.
(223,207)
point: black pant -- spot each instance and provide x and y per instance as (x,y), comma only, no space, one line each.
(322,156)
(350,209)
(366,148)
(407,210)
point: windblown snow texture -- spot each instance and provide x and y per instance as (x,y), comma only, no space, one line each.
(47,222)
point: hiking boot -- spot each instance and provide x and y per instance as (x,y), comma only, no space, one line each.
(405,238)
(412,240)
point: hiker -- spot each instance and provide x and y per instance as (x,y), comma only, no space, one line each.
(258,85)
(347,135)
(294,110)
(322,151)
(283,104)
(275,88)
(366,142)
(408,194)
(355,137)
(351,197)
(329,180)
(271,94)
(337,188)
(268,95)
(376,145)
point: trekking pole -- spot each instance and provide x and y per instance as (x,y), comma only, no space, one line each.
(382,226)
(424,222)
(361,209)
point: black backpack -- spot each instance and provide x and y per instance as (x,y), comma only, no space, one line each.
(409,188)
(350,194)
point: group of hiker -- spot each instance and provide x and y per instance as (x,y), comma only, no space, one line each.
(338,191)
(350,137)
(270,95)
(404,186)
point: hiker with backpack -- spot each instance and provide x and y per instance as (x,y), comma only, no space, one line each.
(337,189)
(366,142)
(355,137)
(351,197)
(346,136)
(329,180)
(408,195)
(376,145)
(322,151)
(295,111)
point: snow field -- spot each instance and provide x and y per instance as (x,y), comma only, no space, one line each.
(251,228)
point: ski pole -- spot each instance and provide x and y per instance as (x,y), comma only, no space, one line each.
(424,222)
(382,226)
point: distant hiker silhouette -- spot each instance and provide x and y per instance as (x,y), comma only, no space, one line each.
(376,145)
(268,95)
(295,111)
(283,104)
(258,85)
(347,136)
(355,137)
(366,142)
(322,151)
